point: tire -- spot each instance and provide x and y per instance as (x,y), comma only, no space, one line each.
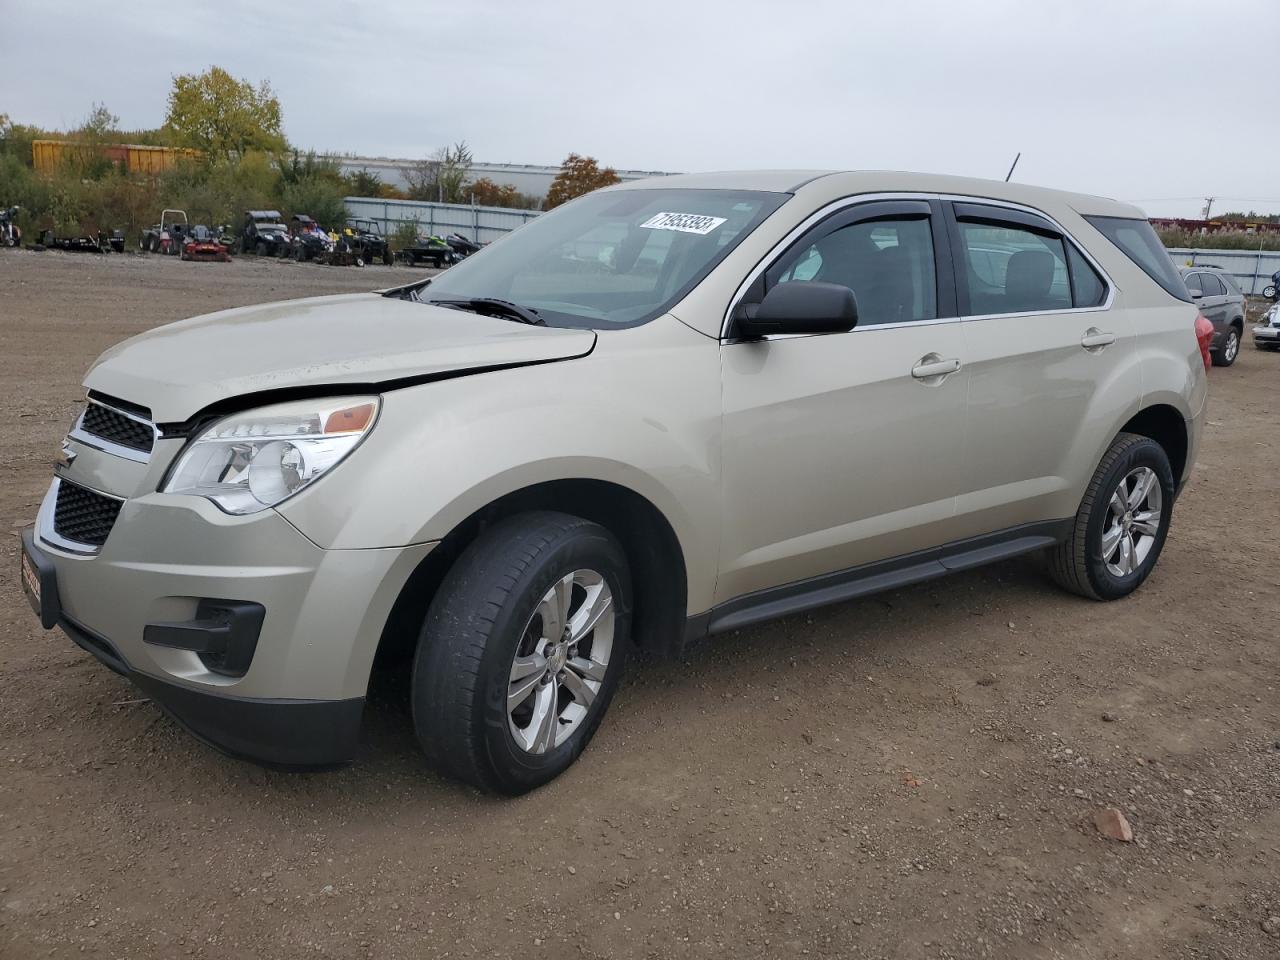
(1077,564)
(490,610)
(1226,355)
(1269,291)
(260,249)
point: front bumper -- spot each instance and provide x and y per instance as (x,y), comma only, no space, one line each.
(292,734)
(298,699)
(1266,334)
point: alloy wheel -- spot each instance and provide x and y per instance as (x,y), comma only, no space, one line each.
(561,661)
(1133,522)
(1232,346)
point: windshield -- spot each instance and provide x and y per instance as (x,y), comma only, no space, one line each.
(609,259)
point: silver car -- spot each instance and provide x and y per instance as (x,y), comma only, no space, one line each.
(666,410)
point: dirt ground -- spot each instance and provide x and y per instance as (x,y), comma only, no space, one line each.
(912,775)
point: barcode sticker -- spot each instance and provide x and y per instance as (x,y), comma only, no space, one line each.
(683,222)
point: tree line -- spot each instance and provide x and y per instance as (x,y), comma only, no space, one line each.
(246,162)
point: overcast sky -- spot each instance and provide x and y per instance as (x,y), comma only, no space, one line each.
(1161,102)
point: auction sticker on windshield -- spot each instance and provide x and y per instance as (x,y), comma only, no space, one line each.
(684,222)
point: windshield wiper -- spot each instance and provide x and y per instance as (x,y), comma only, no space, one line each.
(492,306)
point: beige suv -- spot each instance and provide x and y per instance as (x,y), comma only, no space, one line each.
(666,410)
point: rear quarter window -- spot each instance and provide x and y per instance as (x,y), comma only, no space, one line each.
(1138,241)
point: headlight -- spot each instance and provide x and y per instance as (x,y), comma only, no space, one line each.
(253,460)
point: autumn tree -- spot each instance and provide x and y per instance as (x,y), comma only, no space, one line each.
(578,175)
(225,117)
(486,193)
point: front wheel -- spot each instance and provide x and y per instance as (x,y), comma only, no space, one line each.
(1229,350)
(1269,291)
(1121,525)
(521,651)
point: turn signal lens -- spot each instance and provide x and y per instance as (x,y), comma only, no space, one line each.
(350,420)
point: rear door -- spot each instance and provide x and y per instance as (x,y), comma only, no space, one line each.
(1045,357)
(843,449)
(1213,303)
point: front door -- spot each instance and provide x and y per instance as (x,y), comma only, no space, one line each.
(843,449)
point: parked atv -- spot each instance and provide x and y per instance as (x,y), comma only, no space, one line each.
(10,234)
(264,234)
(367,242)
(308,240)
(428,249)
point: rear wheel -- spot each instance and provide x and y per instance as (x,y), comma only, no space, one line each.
(1121,525)
(521,651)
(1269,291)
(1230,349)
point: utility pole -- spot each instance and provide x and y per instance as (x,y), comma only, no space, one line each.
(1208,205)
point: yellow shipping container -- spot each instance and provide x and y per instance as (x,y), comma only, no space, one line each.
(46,155)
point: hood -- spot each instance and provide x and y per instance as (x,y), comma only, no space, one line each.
(357,339)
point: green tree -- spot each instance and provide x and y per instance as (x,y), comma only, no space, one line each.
(225,117)
(99,126)
(578,175)
(442,176)
(364,183)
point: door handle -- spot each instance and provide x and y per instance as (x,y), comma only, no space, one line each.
(1095,339)
(933,367)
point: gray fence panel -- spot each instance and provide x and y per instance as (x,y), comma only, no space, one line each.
(482,224)
(1252,269)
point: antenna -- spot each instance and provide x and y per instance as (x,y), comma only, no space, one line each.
(1015,163)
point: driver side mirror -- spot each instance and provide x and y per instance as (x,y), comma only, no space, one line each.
(799,306)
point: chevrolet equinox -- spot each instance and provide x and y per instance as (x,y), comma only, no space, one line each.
(666,410)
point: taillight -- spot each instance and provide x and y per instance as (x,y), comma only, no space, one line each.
(1204,336)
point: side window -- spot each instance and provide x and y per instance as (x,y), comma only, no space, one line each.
(1193,284)
(1014,270)
(888,264)
(1212,286)
(1087,288)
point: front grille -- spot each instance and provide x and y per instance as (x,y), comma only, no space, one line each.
(111,424)
(81,515)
